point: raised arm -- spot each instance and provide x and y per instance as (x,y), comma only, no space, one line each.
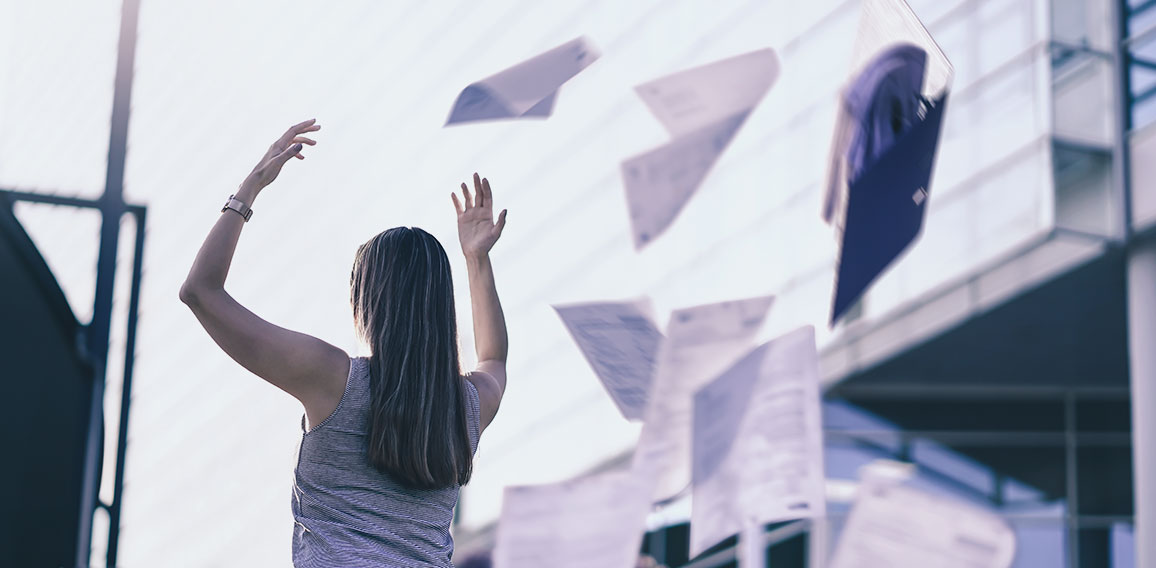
(311,370)
(478,232)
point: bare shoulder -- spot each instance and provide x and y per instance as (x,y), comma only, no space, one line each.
(331,382)
(490,381)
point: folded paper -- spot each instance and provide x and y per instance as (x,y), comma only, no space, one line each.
(527,89)
(702,108)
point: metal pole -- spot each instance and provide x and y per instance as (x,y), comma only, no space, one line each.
(1072,494)
(112,208)
(751,544)
(1141,295)
(1142,360)
(126,391)
(817,542)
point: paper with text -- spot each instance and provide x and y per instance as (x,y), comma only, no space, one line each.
(592,521)
(703,109)
(758,442)
(621,342)
(701,342)
(526,89)
(894,525)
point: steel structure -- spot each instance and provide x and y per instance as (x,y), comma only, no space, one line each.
(112,208)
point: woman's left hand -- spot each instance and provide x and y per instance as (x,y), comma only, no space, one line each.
(287,146)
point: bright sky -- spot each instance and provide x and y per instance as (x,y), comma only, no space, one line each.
(212,447)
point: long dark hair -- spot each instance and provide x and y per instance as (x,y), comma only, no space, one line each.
(403,307)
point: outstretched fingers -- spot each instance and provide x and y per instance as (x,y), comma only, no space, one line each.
(501,224)
(481,194)
(469,201)
(301,128)
(487,193)
(457,204)
(291,151)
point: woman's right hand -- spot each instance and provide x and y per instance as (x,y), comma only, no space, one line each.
(288,146)
(477,230)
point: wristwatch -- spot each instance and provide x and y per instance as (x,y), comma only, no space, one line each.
(238,206)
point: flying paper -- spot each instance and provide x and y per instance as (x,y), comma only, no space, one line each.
(592,521)
(894,525)
(883,149)
(758,442)
(526,89)
(620,341)
(701,342)
(702,108)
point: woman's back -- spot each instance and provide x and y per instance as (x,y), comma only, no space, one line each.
(348,513)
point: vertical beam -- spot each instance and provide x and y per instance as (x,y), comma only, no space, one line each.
(1142,366)
(818,542)
(112,208)
(657,545)
(1141,297)
(1122,153)
(1072,497)
(126,391)
(752,545)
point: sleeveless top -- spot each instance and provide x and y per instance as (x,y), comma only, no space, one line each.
(349,514)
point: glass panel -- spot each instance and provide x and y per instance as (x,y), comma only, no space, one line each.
(1038,466)
(1083,22)
(1039,543)
(1095,546)
(788,552)
(1123,546)
(1144,114)
(1104,480)
(940,459)
(1084,195)
(1084,96)
(1005,31)
(1104,416)
(1142,78)
(982,415)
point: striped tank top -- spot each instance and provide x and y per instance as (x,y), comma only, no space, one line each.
(349,514)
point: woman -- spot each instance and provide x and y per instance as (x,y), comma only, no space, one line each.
(388,439)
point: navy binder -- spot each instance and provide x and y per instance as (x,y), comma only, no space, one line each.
(885,208)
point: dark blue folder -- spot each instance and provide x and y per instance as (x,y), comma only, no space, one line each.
(885,208)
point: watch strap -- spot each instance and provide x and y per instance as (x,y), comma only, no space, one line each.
(239,206)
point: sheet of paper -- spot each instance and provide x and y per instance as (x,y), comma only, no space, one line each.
(696,98)
(660,182)
(703,109)
(526,89)
(701,342)
(895,525)
(593,521)
(620,341)
(758,442)
(884,144)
